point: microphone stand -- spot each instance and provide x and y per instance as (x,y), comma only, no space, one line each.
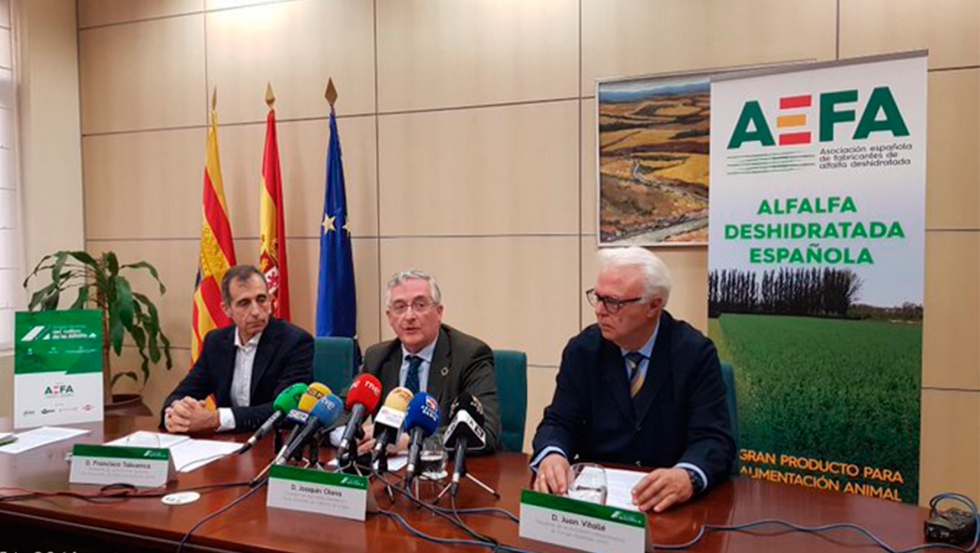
(461,468)
(473,479)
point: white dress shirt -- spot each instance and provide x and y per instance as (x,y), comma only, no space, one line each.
(241,380)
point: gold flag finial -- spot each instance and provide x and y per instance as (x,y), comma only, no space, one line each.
(331,93)
(270,98)
(214,99)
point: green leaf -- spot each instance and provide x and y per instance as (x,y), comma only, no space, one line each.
(153,271)
(38,297)
(151,322)
(166,350)
(85,258)
(81,299)
(50,302)
(127,374)
(59,263)
(116,328)
(37,268)
(111,263)
(140,338)
(124,299)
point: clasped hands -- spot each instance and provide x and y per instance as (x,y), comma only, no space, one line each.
(657,491)
(189,416)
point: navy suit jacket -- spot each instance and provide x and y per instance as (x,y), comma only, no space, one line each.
(284,357)
(680,414)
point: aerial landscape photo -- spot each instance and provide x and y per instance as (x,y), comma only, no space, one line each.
(653,162)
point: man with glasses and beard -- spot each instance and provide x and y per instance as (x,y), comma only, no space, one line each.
(640,388)
(428,356)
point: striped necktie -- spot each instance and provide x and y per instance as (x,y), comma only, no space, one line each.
(633,360)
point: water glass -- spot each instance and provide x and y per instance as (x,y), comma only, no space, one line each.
(432,461)
(587,482)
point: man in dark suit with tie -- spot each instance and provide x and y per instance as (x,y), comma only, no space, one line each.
(245,365)
(638,388)
(428,356)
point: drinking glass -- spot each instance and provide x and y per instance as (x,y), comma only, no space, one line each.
(432,461)
(587,482)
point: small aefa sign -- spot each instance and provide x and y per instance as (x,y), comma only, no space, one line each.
(314,491)
(581,525)
(138,466)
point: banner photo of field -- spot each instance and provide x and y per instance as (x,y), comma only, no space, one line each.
(653,161)
(816,263)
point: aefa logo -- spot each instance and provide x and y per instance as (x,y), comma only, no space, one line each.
(878,113)
(59,390)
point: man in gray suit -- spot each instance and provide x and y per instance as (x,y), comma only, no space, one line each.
(428,356)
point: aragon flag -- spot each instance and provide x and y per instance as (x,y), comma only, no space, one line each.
(272,222)
(217,246)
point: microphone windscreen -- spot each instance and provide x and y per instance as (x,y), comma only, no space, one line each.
(423,412)
(366,391)
(288,399)
(328,409)
(312,395)
(469,403)
(399,398)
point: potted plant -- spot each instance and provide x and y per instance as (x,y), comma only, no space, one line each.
(99,282)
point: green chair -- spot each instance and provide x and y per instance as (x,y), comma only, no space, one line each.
(333,362)
(511,372)
(728,375)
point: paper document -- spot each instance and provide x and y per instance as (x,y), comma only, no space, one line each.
(40,437)
(395,462)
(188,454)
(619,486)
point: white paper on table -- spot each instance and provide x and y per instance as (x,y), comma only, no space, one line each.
(619,485)
(395,462)
(188,454)
(40,437)
(142,438)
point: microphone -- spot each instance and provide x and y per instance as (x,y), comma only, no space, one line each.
(421,421)
(362,400)
(324,413)
(465,432)
(297,417)
(287,400)
(389,421)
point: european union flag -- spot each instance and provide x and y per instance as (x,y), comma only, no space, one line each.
(336,309)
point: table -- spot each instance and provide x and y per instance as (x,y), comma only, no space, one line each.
(67,524)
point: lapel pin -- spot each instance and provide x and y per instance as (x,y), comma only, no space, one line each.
(444,372)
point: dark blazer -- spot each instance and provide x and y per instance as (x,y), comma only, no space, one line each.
(680,414)
(459,363)
(284,357)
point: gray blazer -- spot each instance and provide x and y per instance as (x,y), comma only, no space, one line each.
(460,363)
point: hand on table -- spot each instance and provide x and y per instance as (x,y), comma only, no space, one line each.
(661,489)
(552,475)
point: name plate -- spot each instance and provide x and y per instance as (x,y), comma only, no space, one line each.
(581,525)
(139,466)
(314,491)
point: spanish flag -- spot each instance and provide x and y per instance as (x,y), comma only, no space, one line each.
(272,223)
(217,246)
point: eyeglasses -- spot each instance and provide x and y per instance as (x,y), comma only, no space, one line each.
(612,305)
(420,306)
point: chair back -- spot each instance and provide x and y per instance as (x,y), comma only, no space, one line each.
(333,362)
(728,375)
(510,368)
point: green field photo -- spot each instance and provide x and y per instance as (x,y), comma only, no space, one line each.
(828,389)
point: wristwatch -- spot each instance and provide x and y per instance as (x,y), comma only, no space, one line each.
(696,482)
